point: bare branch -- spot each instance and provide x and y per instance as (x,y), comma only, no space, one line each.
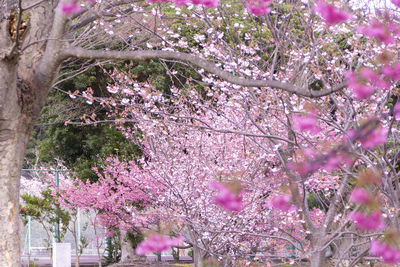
(143,55)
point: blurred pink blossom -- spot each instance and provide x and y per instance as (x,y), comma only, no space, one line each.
(305,167)
(379,31)
(370,222)
(392,72)
(374,78)
(306,123)
(396,3)
(70,7)
(258,8)
(389,255)
(331,14)
(359,195)
(206,3)
(225,198)
(375,138)
(335,159)
(396,111)
(158,243)
(360,91)
(281,202)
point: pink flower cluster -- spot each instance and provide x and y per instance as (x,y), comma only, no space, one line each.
(225,198)
(281,202)
(206,3)
(369,222)
(306,123)
(72,6)
(258,7)
(375,138)
(381,32)
(396,2)
(392,72)
(330,14)
(390,255)
(363,88)
(367,81)
(305,167)
(335,159)
(158,243)
(360,91)
(360,196)
(329,162)
(396,111)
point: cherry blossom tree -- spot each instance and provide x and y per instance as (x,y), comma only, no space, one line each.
(38,38)
(307,56)
(320,149)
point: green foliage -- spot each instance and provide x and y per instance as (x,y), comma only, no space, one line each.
(82,148)
(135,238)
(45,210)
(83,244)
(113,249)
(317,200)
(190,252)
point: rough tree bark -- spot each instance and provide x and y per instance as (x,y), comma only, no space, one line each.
(127,252)
(317,258)
(198,257)
(25,80)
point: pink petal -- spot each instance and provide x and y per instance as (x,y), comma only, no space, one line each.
(359,195)
(330,14)
(281,202)
(396,3)
(70,7)
(370,222)
(396,111)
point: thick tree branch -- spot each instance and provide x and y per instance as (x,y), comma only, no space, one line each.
(142,55)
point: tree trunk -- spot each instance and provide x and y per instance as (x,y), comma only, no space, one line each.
(317,258)
(198,258)
(26,77)
(13,140)
(127,252)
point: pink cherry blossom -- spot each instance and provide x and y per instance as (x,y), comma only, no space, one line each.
(305,167)
(331,14)
(375,138)
(281,202)
(70,7)
(374,78)
(392,72)
(206,3)
(359,195)
(158,243)
(377,248)
(360,91)
(396,3)
(389,254)
(379,31)
(306,123)
(396,111)
(335,159)
(370,222)
(225,198)
(258,10)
